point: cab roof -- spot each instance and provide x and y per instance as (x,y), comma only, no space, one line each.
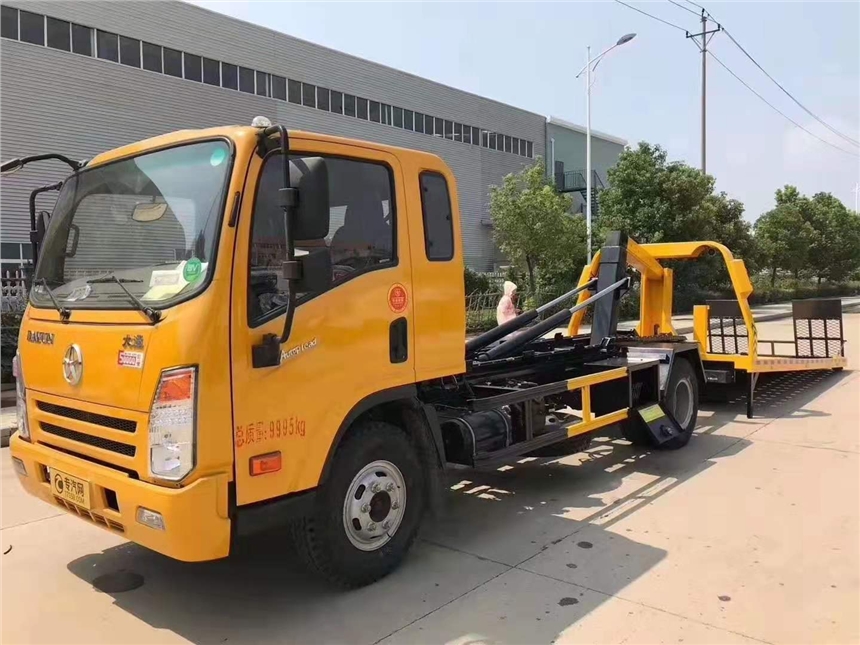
(239,134)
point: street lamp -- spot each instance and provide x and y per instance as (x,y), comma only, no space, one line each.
(588,69)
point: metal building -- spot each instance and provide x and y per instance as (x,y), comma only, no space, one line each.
(83,77)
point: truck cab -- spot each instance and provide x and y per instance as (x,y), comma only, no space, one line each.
(206,326)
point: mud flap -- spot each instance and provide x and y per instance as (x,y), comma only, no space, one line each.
(658,421)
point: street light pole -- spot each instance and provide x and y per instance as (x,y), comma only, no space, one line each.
(588,152)
(588,69)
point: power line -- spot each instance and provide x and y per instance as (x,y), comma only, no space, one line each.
(665,22)
(698,6)
(774,108)
(789,95)
(680,6)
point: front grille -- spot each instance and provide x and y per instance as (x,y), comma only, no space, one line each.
(89,515)
(126,425)
(90,440)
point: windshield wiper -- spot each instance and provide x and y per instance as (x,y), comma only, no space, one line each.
(64,312)
(153,314)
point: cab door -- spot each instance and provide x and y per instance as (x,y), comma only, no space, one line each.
(347,342)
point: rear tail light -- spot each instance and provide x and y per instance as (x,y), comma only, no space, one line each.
(20,398)
(173,425)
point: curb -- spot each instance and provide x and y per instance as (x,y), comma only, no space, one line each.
(5,434)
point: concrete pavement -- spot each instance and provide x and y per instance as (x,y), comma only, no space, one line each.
(749,534)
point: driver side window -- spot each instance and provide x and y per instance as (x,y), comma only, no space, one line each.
(361,235)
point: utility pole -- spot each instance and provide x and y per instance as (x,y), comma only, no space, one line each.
(703,47)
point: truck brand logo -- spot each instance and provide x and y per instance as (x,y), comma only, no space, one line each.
(40,337)
(397,298)
(73,365)
(132,342)
(292,352)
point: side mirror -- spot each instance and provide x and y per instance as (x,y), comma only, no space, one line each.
(311,216)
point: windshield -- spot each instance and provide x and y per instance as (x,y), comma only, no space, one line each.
(147,224)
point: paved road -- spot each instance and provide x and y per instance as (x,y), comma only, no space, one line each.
(750,534)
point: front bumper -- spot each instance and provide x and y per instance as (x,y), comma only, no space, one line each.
(196,520)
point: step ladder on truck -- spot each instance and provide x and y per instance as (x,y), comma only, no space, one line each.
(724,330)
(289,347)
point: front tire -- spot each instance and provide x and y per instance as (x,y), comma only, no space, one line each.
(682,402)
(367,514)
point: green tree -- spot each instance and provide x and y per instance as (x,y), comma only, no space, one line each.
(532,225)
(783,239)
(655,200)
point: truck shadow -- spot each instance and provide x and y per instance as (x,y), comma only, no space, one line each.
(550,520)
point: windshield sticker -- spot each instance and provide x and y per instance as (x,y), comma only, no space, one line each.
(132,342)
(192,270)
(164,278)
(217,157)
(130,359)
(79,293)
(287,354)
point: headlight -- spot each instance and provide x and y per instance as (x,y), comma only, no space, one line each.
(173,425)
(20,397)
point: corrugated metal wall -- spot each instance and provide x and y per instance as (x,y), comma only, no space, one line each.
(58,101)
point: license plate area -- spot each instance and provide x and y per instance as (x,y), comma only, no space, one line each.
(72,489)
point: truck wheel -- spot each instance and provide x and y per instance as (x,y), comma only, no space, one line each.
(367,514)
(682,401)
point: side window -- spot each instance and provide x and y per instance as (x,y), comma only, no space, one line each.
(438,221)
(361,235)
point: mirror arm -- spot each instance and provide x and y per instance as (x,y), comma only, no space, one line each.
(15,164)
(34,231)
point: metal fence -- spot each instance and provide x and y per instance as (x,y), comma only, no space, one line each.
(13,291)
(481,306)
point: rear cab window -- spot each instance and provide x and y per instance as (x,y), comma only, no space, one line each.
(437,216)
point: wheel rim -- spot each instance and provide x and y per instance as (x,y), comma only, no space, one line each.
(374,505)
(683,403)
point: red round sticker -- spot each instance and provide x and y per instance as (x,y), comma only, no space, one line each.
(397,298)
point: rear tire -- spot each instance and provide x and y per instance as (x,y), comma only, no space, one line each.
(376,480)
(682,402)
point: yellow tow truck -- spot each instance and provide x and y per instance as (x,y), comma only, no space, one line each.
(218,342)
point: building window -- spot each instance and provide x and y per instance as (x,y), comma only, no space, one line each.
(323,98)
(295,92)
(336,102)
(361,235)
(467,134)
(438,127)
(152,57)
(309,95)
(262,84)
(59,34)
(529,149)
(229,76)
(374,111)
(193,67)
(279,87)
(515,146)
(82,40)
(129,51)
(398,117)
(493,141)
(108,45)
(458,132)
(246,80)
(211,72)
(32,27)
(8,22)
(419,122)
(386,114)
(449,130)
(361,108)
(485,139)
(438,222)
(476,136)
(172,62)
(349,105)
(507,143)
(428,125)
(407,119)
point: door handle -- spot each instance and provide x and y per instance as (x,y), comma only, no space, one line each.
(398,341)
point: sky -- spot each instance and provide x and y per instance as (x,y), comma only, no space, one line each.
(527,54)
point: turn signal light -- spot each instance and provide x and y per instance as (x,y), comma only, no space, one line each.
(268,463)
